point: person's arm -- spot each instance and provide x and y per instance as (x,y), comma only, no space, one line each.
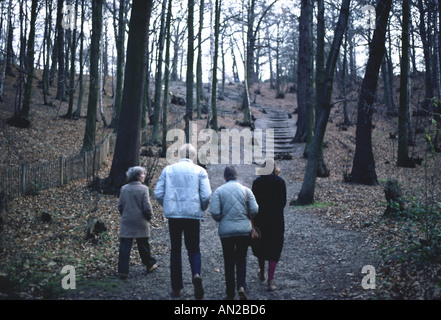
(204,190)
(121,202)
(215,207)
(147,206)
(254,207)
(283,192)
(160,188)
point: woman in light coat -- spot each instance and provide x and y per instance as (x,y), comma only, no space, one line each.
(229,208)
(136,212)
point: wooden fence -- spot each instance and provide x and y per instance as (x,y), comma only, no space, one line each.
(30,178)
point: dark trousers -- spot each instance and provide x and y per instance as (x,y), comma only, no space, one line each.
(125,246)
(235,257)
(190,228)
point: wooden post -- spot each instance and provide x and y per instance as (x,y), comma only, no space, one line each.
(85,164)
(61,160)
(23,178)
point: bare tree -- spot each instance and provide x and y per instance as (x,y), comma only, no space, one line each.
(190,62)
(363,167)
(306,194)
(97,20)
(403,156)
(304,94)
(61,93)
(128,137)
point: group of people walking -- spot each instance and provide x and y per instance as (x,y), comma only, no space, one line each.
(183,190)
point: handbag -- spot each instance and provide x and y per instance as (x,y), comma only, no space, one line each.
(256,235)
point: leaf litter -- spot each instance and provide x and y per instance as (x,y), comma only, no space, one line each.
(33,252)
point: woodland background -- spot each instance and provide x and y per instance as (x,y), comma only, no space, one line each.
(363,79)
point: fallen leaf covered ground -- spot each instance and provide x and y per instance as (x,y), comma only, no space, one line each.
(33,252)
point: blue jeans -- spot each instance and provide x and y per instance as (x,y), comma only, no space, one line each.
(235,257)
(190,228)
(125,246)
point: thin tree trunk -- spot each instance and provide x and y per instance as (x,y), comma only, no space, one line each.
(403,155)
(5,61)
(47,35)
(24,112)
(306,194)
(218,5)
(9,47)
(101,82)
(77,113)
(119,65)
(158,77)
(166,80)
(427,58)
(304,70)
(61,94)
(90,131)
(190,63)
(199,84)
(363,167)
(71,91)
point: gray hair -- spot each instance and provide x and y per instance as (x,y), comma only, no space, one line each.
(187,151)
(134,173)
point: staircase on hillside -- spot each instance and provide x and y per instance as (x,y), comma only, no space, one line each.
(284,131)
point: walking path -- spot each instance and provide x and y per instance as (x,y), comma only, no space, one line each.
(318,261)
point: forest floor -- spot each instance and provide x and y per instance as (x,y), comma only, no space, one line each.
(326,244)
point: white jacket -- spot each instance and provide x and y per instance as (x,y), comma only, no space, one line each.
(183,190)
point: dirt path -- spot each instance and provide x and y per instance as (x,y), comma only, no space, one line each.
(318,261)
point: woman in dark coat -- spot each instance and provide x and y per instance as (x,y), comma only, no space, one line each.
(270,193)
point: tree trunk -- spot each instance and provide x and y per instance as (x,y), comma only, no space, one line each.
(346,121)
(363,167)
(388,98)
(174,71)
(72,65)
(306,194)
(89,134)
(119,65)
(189,78)
(218,5)
(5,61)
(9,47)
(199,84)
(101,82)
(158,77)
(61,94)
(427,58)
(77,113)
(304,70)
(166,80)
(403,155)
(322,170)
(251,40)
(47,35)
(24,112)
(129,129)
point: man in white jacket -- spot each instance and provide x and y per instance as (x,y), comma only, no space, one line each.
(184,191)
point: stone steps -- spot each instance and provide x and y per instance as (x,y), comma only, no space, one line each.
(284,130)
